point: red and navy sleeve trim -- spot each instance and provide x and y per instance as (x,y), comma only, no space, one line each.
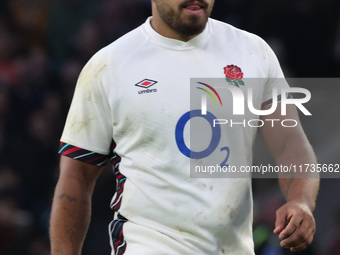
(270,101)
(118,243)
(82,155)
(120,179)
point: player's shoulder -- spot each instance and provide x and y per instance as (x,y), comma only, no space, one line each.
(230,35)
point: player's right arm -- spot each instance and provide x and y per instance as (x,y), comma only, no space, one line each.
(71,209)
(85,144)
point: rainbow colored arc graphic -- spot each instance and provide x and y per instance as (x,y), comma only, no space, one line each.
(213,90)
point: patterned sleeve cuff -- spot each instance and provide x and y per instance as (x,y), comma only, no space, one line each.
(82,155)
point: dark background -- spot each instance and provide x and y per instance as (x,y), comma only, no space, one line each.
(45,43)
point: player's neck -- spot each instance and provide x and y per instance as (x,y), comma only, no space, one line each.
(163,29)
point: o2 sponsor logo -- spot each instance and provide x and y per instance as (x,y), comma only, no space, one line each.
(215,139)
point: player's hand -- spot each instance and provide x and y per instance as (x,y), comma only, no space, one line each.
(295,225)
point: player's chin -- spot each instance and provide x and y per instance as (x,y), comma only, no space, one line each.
(194,21)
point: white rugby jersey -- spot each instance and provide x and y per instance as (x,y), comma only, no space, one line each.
(127,103)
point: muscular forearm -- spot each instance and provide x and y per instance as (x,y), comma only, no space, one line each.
(299,186)
(302,190)
(70,217)
(289,146)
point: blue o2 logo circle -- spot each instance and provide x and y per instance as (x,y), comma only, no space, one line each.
(179,134)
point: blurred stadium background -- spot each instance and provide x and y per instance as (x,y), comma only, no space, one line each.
(45,43)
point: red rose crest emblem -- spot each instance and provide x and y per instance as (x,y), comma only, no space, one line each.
(233,75)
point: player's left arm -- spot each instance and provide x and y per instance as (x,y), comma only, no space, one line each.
(295,223)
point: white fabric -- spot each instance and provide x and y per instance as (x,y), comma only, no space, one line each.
(169,212)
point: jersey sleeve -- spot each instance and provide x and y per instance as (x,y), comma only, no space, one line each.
(275,77)
(82,155)
(87,133)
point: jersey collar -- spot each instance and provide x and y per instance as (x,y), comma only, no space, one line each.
(174,44)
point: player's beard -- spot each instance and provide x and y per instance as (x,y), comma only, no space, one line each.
(192,25)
